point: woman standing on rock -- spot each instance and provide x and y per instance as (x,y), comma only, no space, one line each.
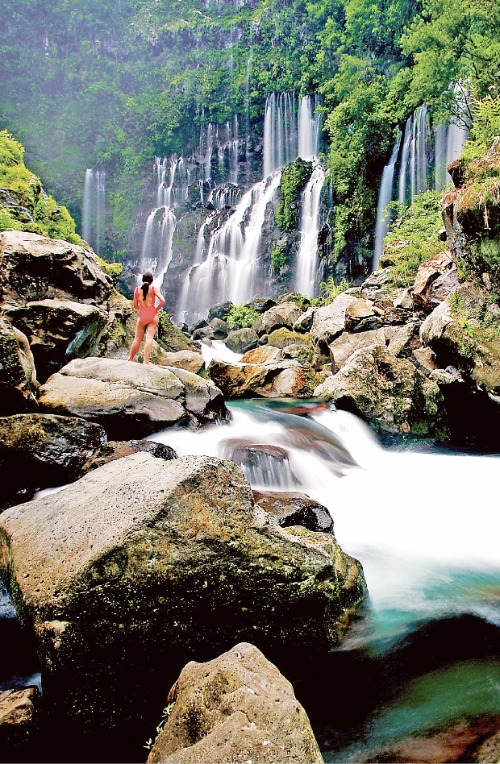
(147,322)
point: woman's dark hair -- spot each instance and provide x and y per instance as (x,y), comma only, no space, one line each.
(147,279)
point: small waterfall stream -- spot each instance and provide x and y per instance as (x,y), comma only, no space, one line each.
(94,208)
(307,256)
(156,250)
(384,198)
(419,159)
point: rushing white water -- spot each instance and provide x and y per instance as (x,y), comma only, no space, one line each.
(230,268)
(425,526)
(307,256)
(384,198)
(94,208)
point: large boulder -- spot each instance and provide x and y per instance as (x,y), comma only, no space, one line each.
(59,330)
(44,450)
(242,340)
(35,268)
(131,399)
(239,708)
(458,339)
(435,280)
(343,347)
(283,379)
(284,314)
(329,322)
(144,564)
(388,392)
(189,360)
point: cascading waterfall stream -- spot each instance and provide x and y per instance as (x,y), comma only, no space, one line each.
(418,159)
(228,266)
(94,208)
(384,198)
(307,256)
(156,250)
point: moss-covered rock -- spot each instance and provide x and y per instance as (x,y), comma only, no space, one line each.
(24,206)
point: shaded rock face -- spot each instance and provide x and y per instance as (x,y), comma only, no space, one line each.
(329,322)
(143,564)
(59,330)
(237,707)
(131,399)
(117,449)
(43,450)
(18,383)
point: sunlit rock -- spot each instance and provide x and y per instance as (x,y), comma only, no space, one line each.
(237,707)
(388,392)
(131,399)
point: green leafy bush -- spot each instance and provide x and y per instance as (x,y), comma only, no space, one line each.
(242,316)
(413,237)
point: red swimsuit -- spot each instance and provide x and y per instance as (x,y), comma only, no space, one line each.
(147,313)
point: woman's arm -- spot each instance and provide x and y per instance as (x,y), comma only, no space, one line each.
(161,299)
(136,298)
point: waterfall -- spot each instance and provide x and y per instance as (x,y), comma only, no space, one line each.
(230,268)
(384,198)
(421,156)
(156,249)
(94,208)
(307,257)
(404,159)
(289,132)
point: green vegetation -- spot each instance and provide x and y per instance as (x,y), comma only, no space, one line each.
(112,85)
(242,316)
(330,290)
(413,237)
(293,179)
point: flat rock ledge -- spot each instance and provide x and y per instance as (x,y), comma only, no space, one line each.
(236,708)
(145,564)
(129,399)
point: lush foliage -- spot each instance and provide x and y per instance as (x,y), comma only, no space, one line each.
(112,85)
(413,237)
(293,179)
(242,316)
(24,206)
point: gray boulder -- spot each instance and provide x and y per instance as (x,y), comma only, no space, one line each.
(285,314)
(242,340)
(36,268)
(145,563)
(329,322)
(131,399)
(235,708)
(388,392)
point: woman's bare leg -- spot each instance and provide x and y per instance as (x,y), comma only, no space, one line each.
(148,345)
(139,334)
